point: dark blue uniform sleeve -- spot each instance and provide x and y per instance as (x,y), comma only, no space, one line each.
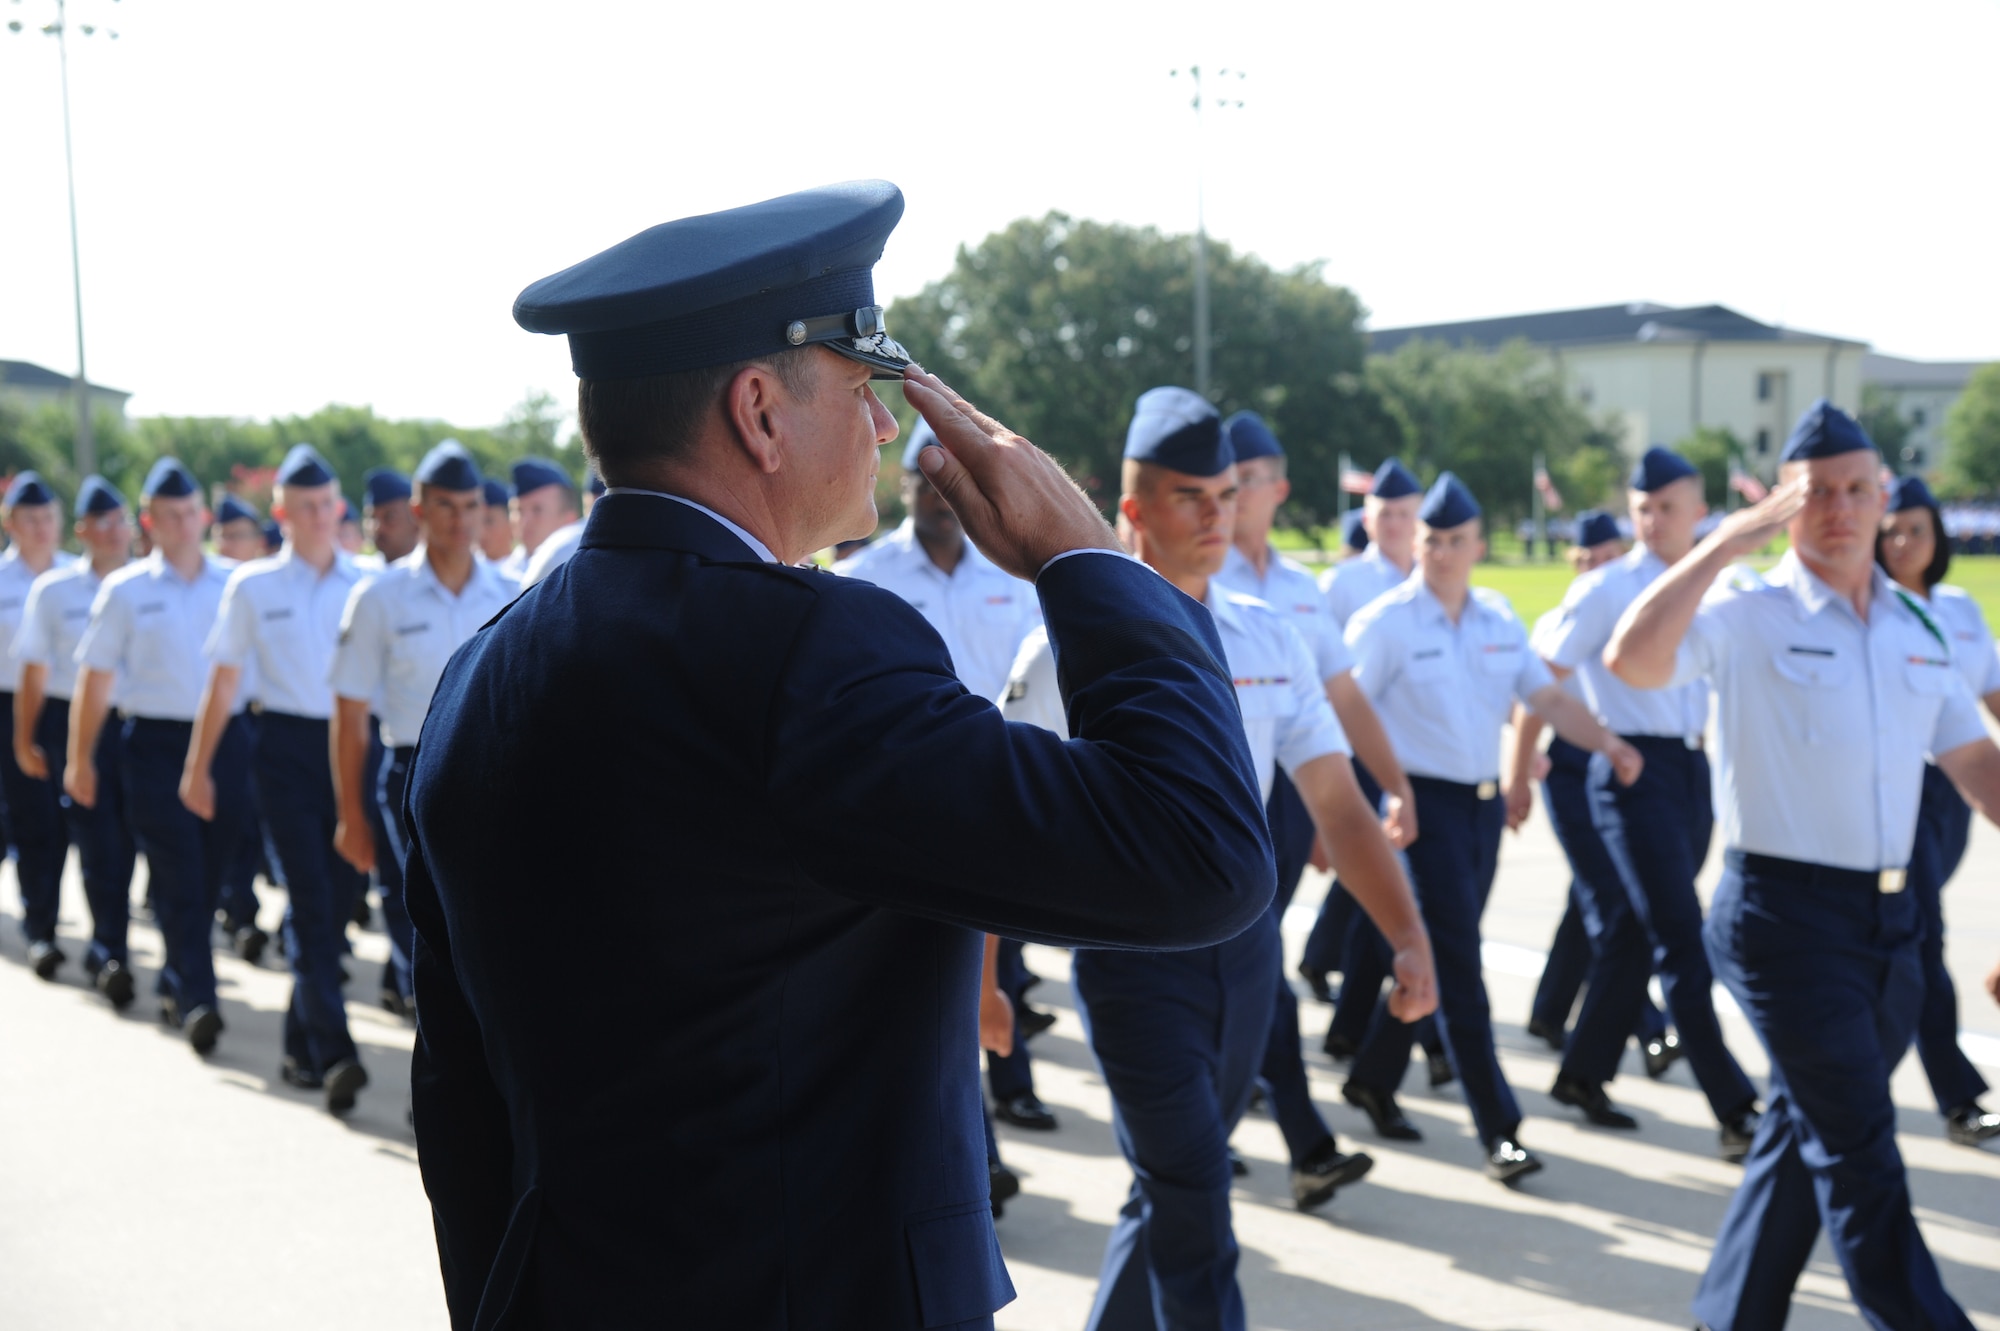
(898,787)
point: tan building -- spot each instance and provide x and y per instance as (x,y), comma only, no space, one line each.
(31,387)
(1921,393)
(1665,372)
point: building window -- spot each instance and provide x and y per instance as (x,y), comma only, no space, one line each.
(1763,391)
(1763,436)
(1917,417)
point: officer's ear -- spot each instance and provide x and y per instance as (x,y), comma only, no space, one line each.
(755,406)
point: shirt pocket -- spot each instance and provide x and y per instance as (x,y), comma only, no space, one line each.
(1428,665)
(1813,695)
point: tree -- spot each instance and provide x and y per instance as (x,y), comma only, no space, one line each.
(1712,448)
(1972,436)
(1884,424)
(1055,326)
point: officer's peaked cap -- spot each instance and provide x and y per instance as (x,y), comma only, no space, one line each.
(1659,467)
(1250,437)
(169,480)
(1449,503)
(1179,429)
(1825,431)
(1394,481)
(729,286)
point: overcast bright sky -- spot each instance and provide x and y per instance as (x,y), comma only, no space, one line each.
(290,204)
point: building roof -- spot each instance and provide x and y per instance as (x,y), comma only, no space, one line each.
(1895,372)
(23,374)
(1639,321)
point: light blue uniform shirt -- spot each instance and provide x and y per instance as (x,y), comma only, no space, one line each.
(15,580)
(1353,583)
(981,611)
(1582,630)
(1444,690)
(1539,639)
(1823,720)
(282,617)
(552,553)
(57,613)
(1286,716)
(398,631)
(1289,588)
(148,626)
(1972,649)
(515,565)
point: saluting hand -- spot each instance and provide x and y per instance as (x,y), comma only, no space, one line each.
(80,782)
(1015,501)
(1748,530)
(1415,995)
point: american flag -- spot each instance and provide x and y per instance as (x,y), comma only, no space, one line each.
(1357,482)
(1550,495)
(1743,483)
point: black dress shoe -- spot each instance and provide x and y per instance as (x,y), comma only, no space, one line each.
(1316,981)
(202,1025)
(114,981)
(1030,1022)
(1508,1160)
(1002,1183)
(1441,1071)
(290,1073)
(1316,1178)
(250,942)
(1026,1111)
(1969,1125)
(170,1013)
(362,915)
(1662,1054)
(344,1081)
(1735,1135)
(46,958)
(1338,1047)
(1594,1103)
(1382,1111)
(1552,1036)
(1238,1166)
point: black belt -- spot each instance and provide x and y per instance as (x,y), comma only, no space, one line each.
(1694,743)
(1884,881)
(1482,790)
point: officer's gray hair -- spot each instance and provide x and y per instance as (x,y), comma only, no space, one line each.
(630,426)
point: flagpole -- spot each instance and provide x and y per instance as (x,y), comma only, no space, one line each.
(1346,465)
(1540,528)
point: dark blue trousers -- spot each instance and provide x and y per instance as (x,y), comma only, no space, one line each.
(1451,866)
(1944,824)
(1015,1074)
(244,852)
(392,852)
(1564,972)
(1283,1069)
(1365,964)
(1657,830)
(102,836)
(1326,945)
(1828,969)
(295,791)
(183,853)
(1621,956)
(41,843)
(1178,1036)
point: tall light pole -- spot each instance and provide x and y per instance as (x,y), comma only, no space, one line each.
(1193,73)
(86,441)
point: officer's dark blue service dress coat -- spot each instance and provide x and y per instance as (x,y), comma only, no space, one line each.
(747,1094)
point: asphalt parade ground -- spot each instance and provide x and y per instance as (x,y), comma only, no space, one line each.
(142,1187)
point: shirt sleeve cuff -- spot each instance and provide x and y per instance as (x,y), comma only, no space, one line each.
(1087,550)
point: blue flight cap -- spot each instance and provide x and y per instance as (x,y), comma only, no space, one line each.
(383,485)
(724,287)
(1449,503)
(1393,481)
(1179,429)
(922,436)
(1910,492)
(1250,437)
(274,535)
(448,467)
(97,495)
(532,474)
(1825,431)
(1658,467)
(1595,526)
(231,509)
(304,467)
(1353,531)
(27,490)
(168,480)
(496,492)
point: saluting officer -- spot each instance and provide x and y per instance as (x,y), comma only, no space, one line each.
(983,613)
(1444,662)
(32,518)
(544,501)
(398,630)
(1253,568)
(1180,1035)
(1913,551)
(1384,558)
(58,611)
(282,615)
(387,524)
(1832,685)
(1656,829)
(144,643)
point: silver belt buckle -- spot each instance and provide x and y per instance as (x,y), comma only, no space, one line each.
(1488,789)
(1891,881)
